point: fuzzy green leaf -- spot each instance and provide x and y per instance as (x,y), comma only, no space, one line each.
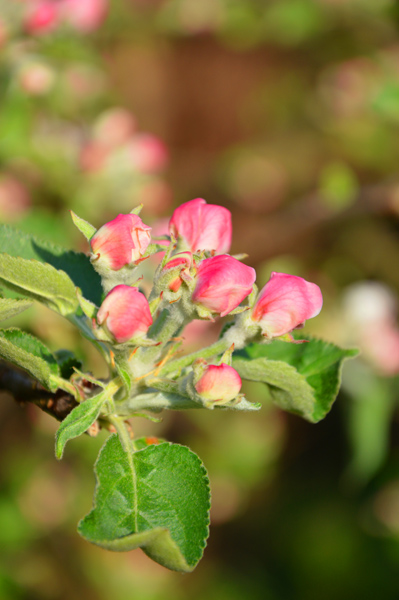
(303,378)
(30,354)
(78,421)
(39,281)
(156,499)
(75,264)
(10,307)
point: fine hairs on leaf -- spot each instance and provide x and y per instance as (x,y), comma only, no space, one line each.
(157,499)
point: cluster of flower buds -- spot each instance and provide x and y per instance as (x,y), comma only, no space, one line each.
(45,16)
(196,279)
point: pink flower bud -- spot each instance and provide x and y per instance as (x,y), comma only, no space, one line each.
(219,383)
(121,241)
(125,313)
(84,15)
(36,79)
(222,283)
(42,17)
(202,226)
(114,127)
(147,153)
(285,302)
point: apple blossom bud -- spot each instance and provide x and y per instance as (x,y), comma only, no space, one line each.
(202,226)
(114,127)
(84,15)
(125,313)
(120,242)
(219,383)
(42,17)
(36,78)
(222,283)
(147,153)
(286,302)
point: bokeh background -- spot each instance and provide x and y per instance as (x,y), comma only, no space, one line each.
(287,113)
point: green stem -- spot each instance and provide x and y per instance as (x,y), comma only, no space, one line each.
(82,324)
(169,322)
(121,430)
(176,365)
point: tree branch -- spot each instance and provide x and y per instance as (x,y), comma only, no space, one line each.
(25,389)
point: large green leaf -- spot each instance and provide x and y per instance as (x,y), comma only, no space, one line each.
(303,378)
(75,264)
(39,281)
(78,421)
(157,499)
(30,354)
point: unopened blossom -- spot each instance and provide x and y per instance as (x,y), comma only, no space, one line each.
(222,283)
(42,16)
(285,302)
(36,78)
(84,15)
(114,127)
(219,383)
(202,226)
(147,153)
(125,313)
(121,241)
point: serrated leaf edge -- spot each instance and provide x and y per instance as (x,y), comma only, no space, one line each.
(145,540)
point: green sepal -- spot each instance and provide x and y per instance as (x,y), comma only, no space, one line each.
(31,355)
(153,249)
(39,281)
(159,502)
(88,308)
(78,421)
(10,307)
(137,210)
(86,228)
(302,378)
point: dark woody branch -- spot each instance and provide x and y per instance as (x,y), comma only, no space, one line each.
(24,389)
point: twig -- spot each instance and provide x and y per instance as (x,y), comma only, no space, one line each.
(25,389)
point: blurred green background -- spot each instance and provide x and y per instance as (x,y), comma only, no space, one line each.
(287,113)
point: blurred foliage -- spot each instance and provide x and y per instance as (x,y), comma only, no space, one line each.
(286,112)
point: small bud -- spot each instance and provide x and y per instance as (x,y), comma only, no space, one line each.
(42,17)
(219,383)
(147,153)
(286,302)
(84,15)
(222,283)
(176,270)
(125,313)
(202,226)
(120,242)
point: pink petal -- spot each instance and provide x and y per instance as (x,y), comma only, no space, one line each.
(203,226)
(126,313)
(285,302)
(223,282)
